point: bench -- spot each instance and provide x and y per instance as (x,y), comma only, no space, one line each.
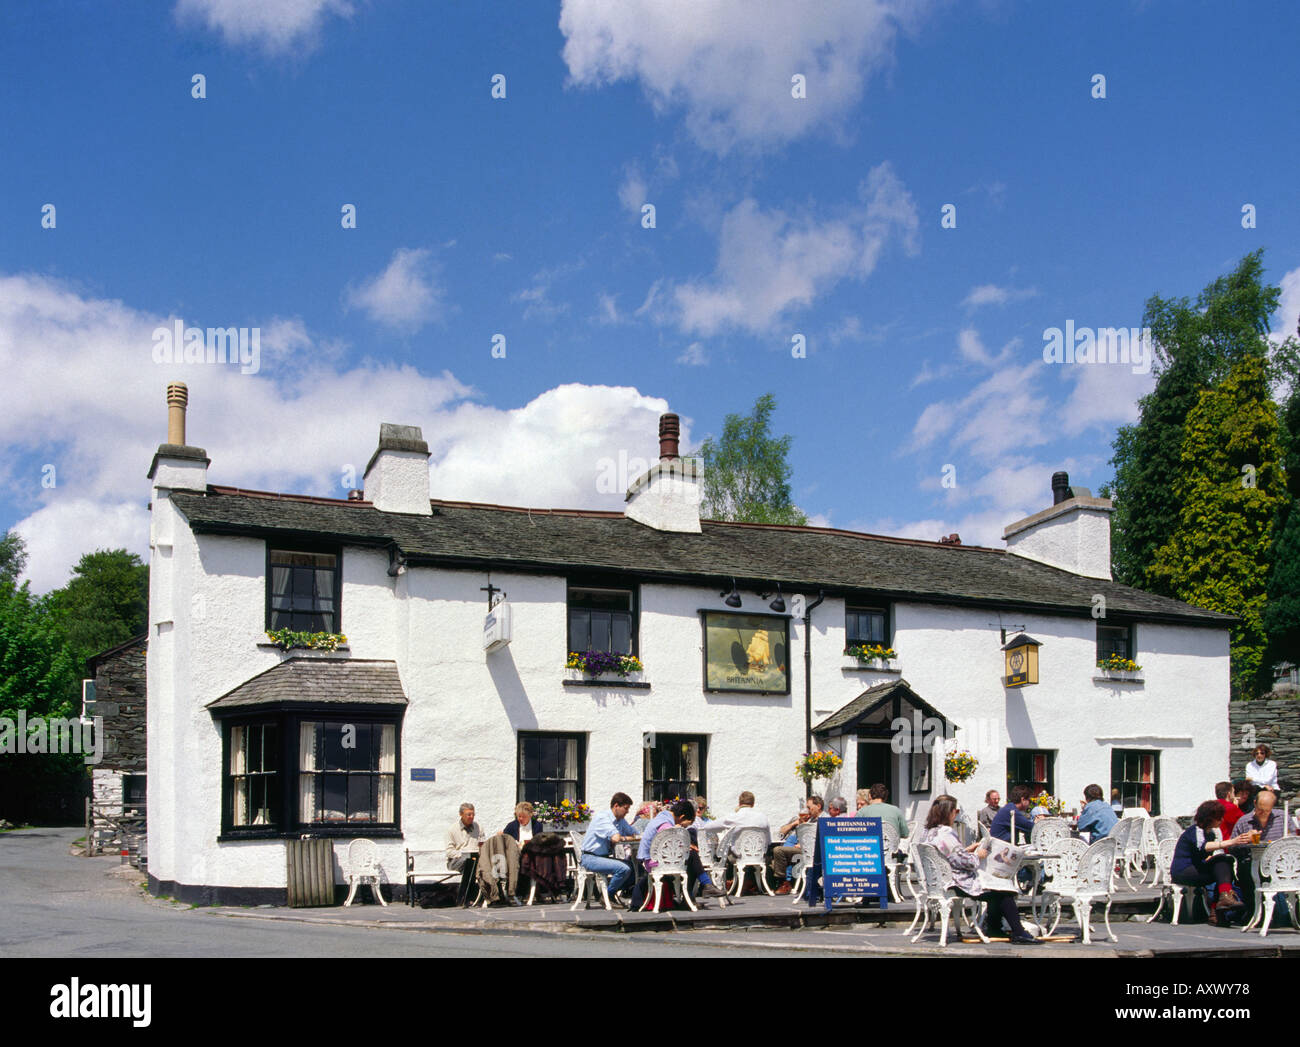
(427,867)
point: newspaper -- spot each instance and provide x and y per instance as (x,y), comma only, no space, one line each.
(998,871)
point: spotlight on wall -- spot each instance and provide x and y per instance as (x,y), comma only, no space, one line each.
(778,605)
(733,597)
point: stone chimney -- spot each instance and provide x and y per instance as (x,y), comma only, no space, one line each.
(667,496)
(397,478)
(1073,534)
(176,465)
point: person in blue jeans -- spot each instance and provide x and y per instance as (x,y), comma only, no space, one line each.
(608,828)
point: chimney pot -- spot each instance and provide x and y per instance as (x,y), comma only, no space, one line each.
(1061,488)
(669,436)
(177,398)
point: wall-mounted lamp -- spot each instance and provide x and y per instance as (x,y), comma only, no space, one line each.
(733,597)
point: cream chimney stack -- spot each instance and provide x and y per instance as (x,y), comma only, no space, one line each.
(177,397)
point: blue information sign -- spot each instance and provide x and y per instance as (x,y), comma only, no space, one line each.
(850,860)
(422,774)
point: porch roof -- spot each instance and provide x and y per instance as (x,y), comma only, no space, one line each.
(857,713)
(319,681)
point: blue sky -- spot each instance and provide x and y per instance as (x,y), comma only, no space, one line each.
(774,217)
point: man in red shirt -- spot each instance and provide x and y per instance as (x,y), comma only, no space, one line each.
(1231,812)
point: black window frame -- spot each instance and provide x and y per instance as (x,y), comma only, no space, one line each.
(287,720)
(140,784)
(1130,638)
(1033,783)
(885,610)
(654,788)
(583,583)
(580,781)
(1120,755)
(348,773)
(314,548)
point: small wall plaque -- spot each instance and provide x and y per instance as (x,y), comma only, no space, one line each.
(422,774)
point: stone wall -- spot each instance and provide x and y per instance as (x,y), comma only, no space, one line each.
(120,700)
(1276,723)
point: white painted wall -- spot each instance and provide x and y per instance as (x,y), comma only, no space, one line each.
(466,706)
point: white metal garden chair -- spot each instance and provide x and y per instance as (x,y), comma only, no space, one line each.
(669,851)
(1279,873)
(586,881)
(713,855)
(1166,828)
(750,846)
(363,867)
(1175,892)
(1050,831)
(807,838)
(889,840)
(938,896)
(1083,884)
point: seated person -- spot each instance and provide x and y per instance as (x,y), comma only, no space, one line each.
(522,827)
(1245,795)
(1097,818)
(1223,792)
(964,861)
(1013,814)
(878,806)
(1262,771)
(1264,818)
(608,828)
(745,817)
(463,841)
(681,814)
(992,803)
(701,809)
(783,855)
(1201,859)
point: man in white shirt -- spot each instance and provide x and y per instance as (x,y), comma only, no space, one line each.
(745,817)
(463,841)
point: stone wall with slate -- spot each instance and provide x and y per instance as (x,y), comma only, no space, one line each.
(120,700)
(1276,723)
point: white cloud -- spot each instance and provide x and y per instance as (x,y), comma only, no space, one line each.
(971,348)
(607,309)
(729,67)
(274,25)
(632,190)
(405,296)
(293,429)
(992,294)
(1287,317)
(694,355)
(770,262)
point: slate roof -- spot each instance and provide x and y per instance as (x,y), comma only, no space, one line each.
(801,559)
(869,701)
(319,680)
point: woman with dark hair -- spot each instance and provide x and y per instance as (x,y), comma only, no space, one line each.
(1201,858)
(965,861)
(1262,770)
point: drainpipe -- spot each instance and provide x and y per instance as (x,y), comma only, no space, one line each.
(807,679)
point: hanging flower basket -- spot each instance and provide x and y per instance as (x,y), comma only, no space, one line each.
(959,765)
(820,764)
(599,663)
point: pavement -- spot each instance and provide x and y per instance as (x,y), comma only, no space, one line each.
(57,904)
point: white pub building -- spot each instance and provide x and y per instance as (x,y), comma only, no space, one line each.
(432,699)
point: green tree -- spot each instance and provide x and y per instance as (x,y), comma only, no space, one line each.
(1196,345)
(1230,491)
(13,558)
(1282,612)
(38,676)
(746,475)
(106,602)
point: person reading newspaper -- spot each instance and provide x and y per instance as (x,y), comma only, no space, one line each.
(985,870)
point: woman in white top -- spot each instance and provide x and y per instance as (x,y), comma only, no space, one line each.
(1262,770)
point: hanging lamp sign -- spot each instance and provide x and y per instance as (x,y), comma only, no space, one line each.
(1021,655)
